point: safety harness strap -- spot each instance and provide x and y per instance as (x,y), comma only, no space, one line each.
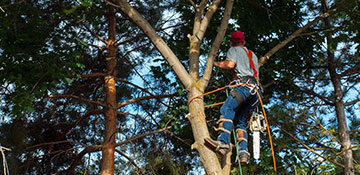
(249,54)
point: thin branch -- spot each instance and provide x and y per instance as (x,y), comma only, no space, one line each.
(51,143)
(96,35)
(92,75)
(131,161)
(320,31)
(128,40)
(141,136)
(327,100)
(352,102)
(77,98)
(192,3)
(216,44)
(143,98)
(88,114)
(77,159)
(6,6)
(311,150)
(267,56)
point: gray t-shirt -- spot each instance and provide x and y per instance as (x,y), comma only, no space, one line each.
(242,64)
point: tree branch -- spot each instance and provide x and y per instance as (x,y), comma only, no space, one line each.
(96,35)
(131,160)
(6,6)
(77,159)
(143,98)
(214,48)
(267,56)
(352,102)
(311,150)
(77,98)
(92,75)
(88,114)
(140,136)
(158,42)
(327,100)
(207,18)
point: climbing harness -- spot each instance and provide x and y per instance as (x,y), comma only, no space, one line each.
(262,106)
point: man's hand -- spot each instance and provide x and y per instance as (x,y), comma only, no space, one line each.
(227,64)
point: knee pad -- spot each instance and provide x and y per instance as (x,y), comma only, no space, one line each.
(237,96)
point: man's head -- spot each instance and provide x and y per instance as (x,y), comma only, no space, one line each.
(237,38)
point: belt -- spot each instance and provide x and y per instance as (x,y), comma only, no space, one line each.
(246,79)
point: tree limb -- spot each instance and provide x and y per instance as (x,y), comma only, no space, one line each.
(131,161)
(352,102)
(92,75)
(88,114)
(216,44)
(77,159)
(143,98)
(267,56)
(158,42)
(77,98)
(140,136)
(96,35)
(311,150)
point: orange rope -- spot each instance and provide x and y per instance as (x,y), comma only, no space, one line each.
(219,89)
(267,127)
(262,106)
(214,104)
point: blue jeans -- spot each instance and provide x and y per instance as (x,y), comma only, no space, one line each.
(239,114)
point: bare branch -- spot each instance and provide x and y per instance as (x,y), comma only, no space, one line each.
(143,98)
(352,102)
(92,75)
(158,42)
(267,56)
(77,159)
(88,114)
(96,35)
(141,136)
(131,160)
(207,18)
(311,150)
(77,98)
(6,6)
(214,48)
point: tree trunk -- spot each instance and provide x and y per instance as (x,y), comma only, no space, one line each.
(201,131)
(341,119)
(107,162)
(339,103)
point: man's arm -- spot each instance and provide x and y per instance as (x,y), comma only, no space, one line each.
(227,64)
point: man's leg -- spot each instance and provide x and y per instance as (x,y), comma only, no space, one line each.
(226,122)
(241,118)
(242,136)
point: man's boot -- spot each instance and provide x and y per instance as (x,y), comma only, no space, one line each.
(244,155)
(217,146)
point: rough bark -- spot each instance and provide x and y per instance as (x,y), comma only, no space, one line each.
(108,150)
(339,103)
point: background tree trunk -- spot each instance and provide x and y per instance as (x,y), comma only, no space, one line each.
(339,103)
(108,150)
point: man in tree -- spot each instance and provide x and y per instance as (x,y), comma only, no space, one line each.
(242,100)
